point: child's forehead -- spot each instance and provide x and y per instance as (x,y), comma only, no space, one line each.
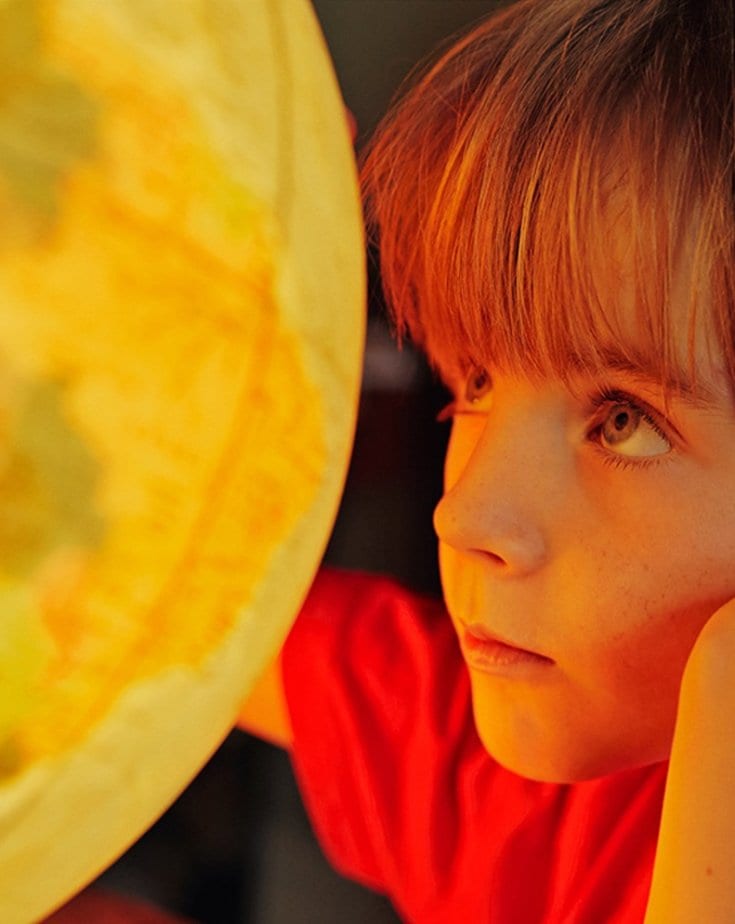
(704,387)
(703,395)
(675,353)
(623,289)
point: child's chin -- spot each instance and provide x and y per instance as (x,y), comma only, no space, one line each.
(547,759)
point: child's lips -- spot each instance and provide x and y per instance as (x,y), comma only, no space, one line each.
(477,637)
(482,651)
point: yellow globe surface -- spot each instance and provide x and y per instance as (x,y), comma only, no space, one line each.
(181,328)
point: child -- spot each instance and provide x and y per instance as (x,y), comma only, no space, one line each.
(553,201)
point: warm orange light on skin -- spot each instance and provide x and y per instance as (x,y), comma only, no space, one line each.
(692,875)
(611,571)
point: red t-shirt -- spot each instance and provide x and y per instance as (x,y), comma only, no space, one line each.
(404,798)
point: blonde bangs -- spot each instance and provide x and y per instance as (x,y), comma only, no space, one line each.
(538,174)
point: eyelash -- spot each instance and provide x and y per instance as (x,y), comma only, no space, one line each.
(606,397)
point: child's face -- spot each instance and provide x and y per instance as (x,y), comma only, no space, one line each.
(590,536)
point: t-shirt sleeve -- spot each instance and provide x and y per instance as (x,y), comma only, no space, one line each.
(380,710)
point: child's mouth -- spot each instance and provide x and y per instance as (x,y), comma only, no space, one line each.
(485,653)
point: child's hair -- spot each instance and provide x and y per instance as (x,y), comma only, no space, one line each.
(492,186)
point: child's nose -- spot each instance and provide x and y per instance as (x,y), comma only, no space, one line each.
(499,502)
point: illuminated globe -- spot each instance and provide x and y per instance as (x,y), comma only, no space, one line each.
(181,327)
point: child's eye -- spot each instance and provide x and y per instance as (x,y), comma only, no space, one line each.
(478,385)
(629,434)
(475,387)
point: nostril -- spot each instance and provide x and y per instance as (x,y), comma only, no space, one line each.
(496,559)
(478,517)
(496,538)
(439,520)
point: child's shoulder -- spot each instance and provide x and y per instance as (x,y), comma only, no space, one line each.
(377,693)
(353,625)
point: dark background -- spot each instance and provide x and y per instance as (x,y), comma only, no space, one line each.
(236,846)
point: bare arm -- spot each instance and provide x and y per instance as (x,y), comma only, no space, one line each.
(694,870)
(264,713)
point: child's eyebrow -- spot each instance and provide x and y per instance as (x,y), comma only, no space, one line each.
(697,395)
